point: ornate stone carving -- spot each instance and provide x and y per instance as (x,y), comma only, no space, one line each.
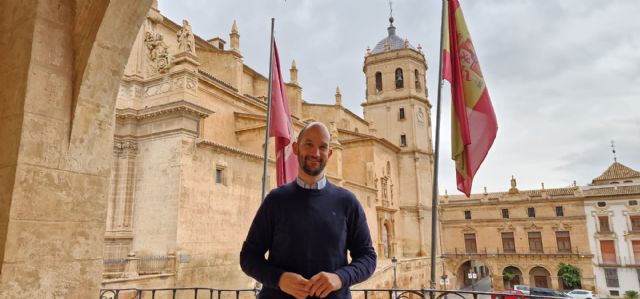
(191,84)
(532,226)
(158,51)
(186,41)
(127,147)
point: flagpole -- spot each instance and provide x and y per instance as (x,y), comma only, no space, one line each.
(434,194)
(266,134)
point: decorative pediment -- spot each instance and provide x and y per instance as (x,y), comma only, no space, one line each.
(468,229)
(508,227)
(532,226)
(561,226)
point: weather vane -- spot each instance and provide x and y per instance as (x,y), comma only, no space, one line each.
(613,150)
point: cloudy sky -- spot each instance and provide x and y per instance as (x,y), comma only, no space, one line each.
(563,75)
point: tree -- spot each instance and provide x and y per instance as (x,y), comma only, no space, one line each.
(508,274)
(570,275)
(631,295)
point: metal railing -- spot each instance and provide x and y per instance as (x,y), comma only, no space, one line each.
(134,266)
(519,251)
(393,293)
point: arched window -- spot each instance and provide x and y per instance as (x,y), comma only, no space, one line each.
(378,81)
(399,78)
(417,77)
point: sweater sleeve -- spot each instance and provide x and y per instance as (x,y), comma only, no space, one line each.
(363,256)
(258,242)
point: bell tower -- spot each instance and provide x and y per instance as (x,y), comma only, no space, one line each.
(397,102)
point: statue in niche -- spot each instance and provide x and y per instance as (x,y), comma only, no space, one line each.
(158,51)
(186,41)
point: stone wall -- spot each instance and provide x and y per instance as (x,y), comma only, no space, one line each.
(63,67)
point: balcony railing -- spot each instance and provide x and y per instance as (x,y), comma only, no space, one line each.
(520,251)
(134,266)
(618,261)
(211,293)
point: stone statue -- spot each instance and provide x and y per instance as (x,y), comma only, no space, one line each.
(186,41)
(158,51)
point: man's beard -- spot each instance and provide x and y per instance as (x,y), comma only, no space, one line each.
(312,172)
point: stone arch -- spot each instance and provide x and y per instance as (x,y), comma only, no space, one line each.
(399,78)
(65,63)
(517,278)
(481,269)
(539,277)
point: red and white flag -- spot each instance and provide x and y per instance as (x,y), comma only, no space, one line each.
(281,126)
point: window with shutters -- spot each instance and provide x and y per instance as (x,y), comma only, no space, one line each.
(470,243)
(635,245)
(564,241)
(604,224)
(635,223)
(508,243)
(611,276)
(608,252)
(535,242)
(531,212)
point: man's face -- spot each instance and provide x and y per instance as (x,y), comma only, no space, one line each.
(313,150)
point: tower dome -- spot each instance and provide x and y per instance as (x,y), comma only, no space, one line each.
(392,41)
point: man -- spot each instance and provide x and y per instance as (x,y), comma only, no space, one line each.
(307,226)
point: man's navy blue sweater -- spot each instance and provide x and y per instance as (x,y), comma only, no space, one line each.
(307,231)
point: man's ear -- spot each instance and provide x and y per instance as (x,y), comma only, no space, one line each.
(294,146)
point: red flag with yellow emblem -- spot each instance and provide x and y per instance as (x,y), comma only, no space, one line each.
(473,122)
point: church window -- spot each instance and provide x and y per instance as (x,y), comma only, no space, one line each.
(399,78)
(403,140)
(378,81)
(401,113)
(218,176)
(417,78)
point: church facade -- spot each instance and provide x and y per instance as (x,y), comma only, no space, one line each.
(187,157)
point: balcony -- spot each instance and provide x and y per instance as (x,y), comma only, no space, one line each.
(618,261)
(134,266)
(519,251)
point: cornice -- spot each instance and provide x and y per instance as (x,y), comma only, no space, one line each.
(180,106)
(215,145)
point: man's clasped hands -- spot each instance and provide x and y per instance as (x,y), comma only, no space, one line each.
(320,285)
